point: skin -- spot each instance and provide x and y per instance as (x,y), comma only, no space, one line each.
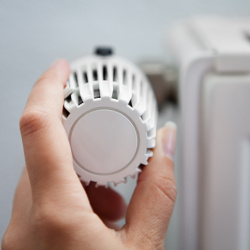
(53,210)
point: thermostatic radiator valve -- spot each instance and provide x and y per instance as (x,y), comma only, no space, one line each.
(110,116)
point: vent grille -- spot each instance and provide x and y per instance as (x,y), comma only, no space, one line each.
(95,79)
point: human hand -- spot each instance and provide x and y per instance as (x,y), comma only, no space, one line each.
(52,210)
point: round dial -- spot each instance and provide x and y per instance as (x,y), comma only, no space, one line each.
(103,141)
(110,115)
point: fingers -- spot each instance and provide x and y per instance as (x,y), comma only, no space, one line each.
(22,199)
(152,203)
(108,204)
(46,148)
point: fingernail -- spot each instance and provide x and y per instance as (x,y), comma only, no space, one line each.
(169,139)
(62,68)
(56,62)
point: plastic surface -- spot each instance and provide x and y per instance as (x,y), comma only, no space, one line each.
(218,46)
(226,162)
(110,115)
(108,133)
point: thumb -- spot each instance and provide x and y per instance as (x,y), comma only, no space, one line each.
(153,200)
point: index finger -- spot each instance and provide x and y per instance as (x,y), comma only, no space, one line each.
(46,147)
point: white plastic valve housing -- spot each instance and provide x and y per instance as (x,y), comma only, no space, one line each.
(110,115)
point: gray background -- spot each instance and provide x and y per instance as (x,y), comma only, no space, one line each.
(34,33)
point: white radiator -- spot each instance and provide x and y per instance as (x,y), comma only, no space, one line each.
(213,55)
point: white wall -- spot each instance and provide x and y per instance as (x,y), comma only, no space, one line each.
(35,33)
